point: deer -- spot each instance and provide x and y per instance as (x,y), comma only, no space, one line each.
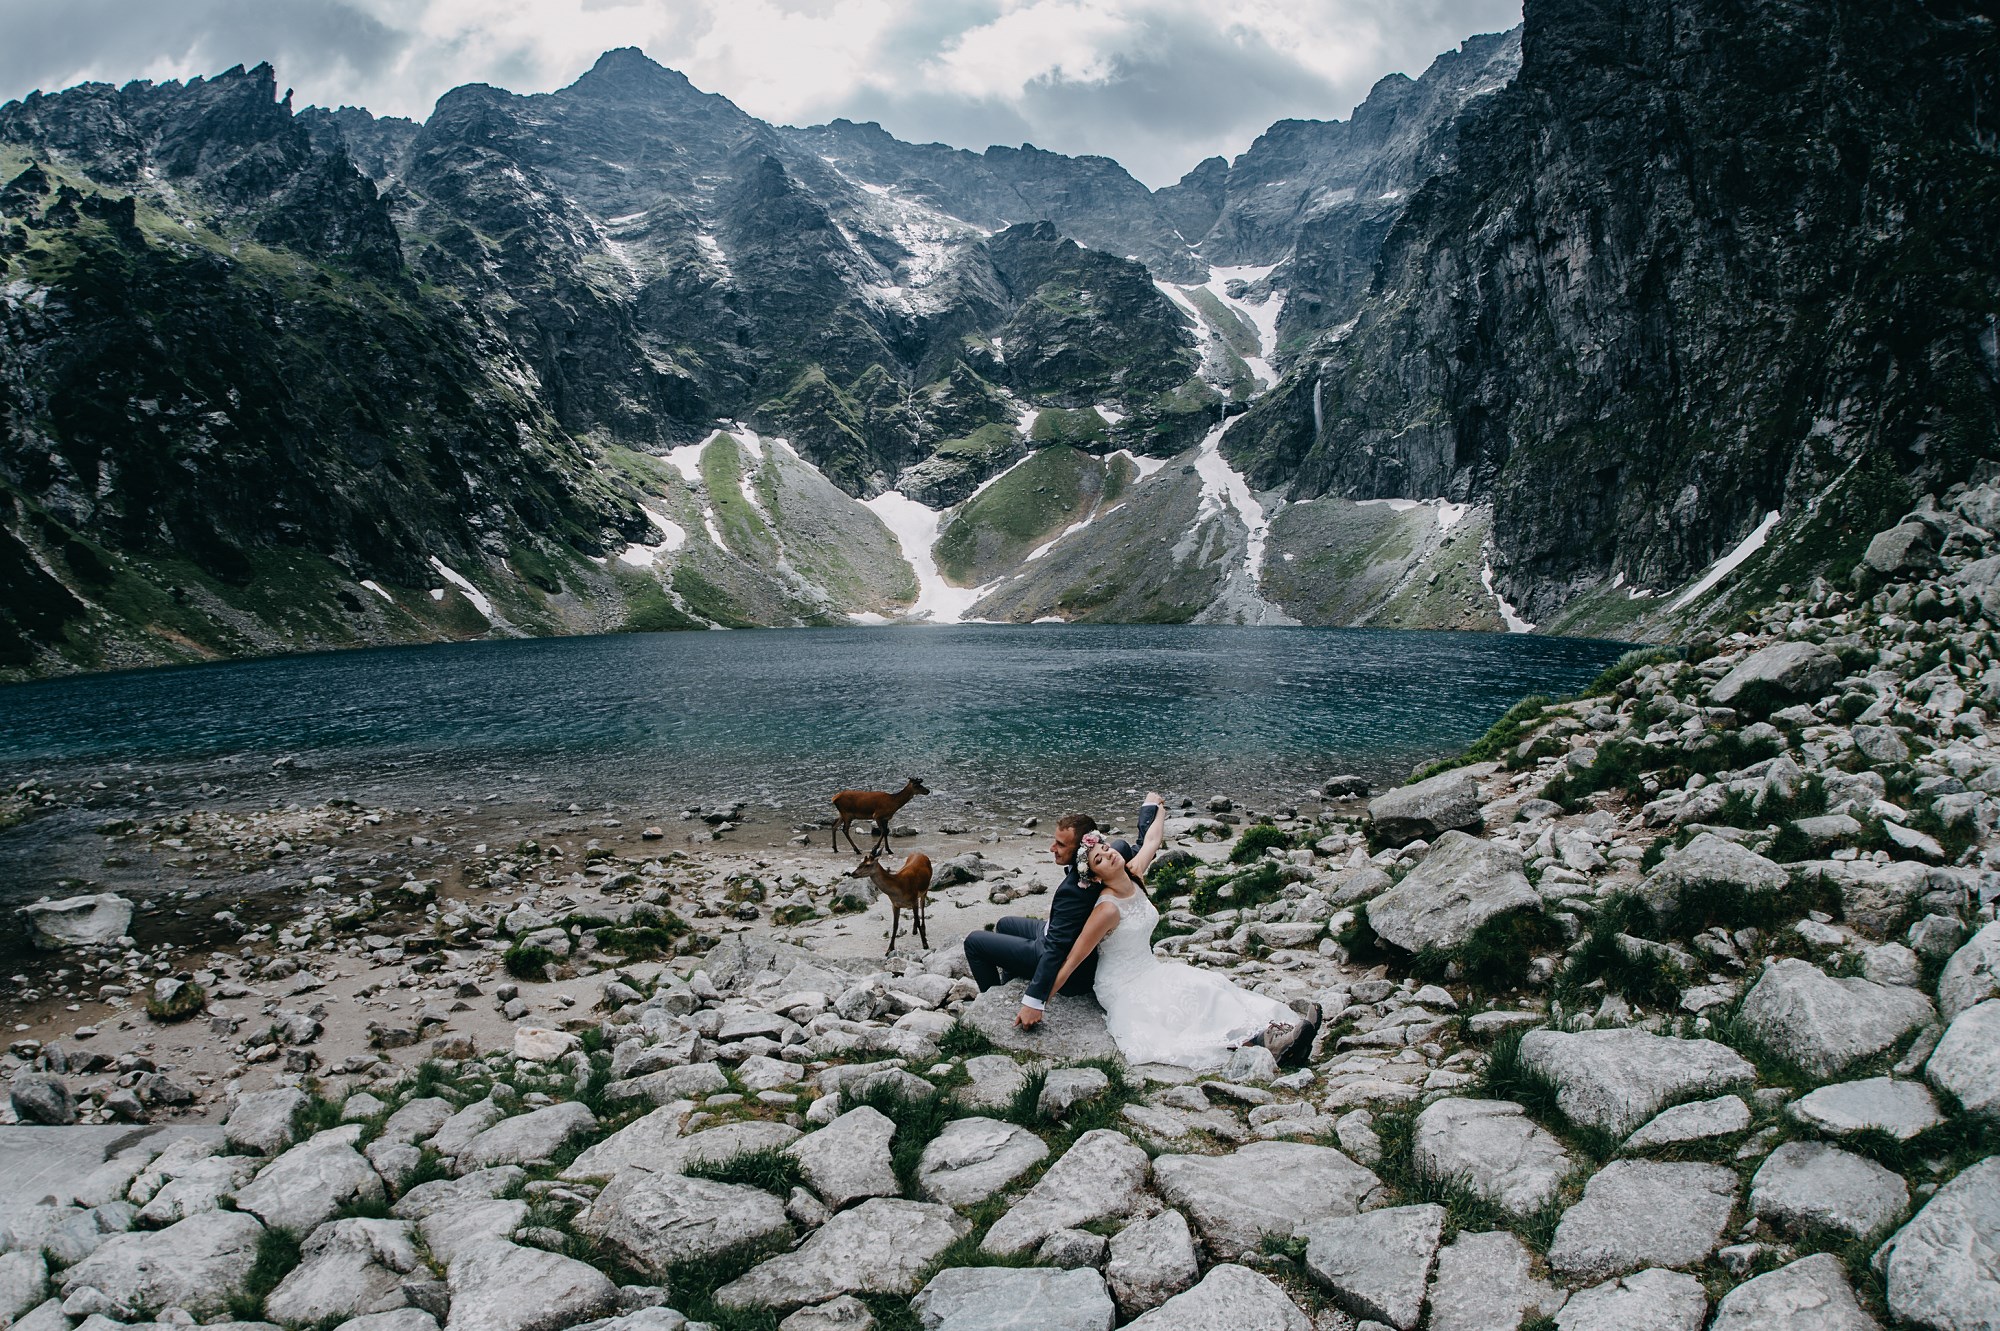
(908,889)
(879,805)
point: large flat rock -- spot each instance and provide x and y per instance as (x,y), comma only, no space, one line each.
(1642,1213)
(882,1246)
(1617,1079)
(1811,1294)
(1652,1300)
(651,1143)
(1151,1261)
(1265,1188)
(197,1264)
(1783,672)
(501,1286)
(1803,1186)
(1966,1062)
(1972,975)
(1697,1120)
(531,1139)
(347,1269)
(1098,1178)
(1943,1268)
(1486,1282)
(1001,1298)
(1708,862)
(1875,1104)
(656,1221)
(973,1158)
(1825,1024)
(1228,1296)
(1071,1029)
(307,1185)
(1493,1148)
(1462,883)
(1425,809)
(1377,1264)
(848,1159)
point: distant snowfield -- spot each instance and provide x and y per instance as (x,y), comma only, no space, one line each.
(1508,615)
(1729,563)
(916,531)
(1222,488)
(1146,466)
(1263,316)
(672,537)
(472,593)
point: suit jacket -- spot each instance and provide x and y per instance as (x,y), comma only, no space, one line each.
(1068,910)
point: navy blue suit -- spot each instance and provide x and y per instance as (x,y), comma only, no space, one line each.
(1018,947)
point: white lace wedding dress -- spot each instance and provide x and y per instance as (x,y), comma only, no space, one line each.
(1167,1011)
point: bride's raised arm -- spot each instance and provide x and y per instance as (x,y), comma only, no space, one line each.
(1156,835)
(1103,919)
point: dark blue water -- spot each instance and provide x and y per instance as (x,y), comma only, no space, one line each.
(998,721)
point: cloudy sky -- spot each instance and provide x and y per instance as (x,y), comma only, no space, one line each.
(1157,84)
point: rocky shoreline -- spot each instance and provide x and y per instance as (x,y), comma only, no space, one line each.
(1673,1006)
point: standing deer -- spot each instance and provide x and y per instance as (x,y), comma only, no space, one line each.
(908,889)
(879,805)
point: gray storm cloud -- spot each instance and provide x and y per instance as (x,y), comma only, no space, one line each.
(1156,84)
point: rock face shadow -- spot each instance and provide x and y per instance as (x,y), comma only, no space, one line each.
(1072,1028)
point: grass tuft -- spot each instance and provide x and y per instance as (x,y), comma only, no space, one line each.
(1250,847)
(963,1041)
(277,1255)
(527,961)
(770,1169)
(918,1119)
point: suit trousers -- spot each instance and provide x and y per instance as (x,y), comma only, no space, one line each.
(1009,951)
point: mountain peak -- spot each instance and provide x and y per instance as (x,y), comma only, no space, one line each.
(627,70)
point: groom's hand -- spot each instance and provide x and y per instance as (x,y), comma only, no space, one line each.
(1027,1017)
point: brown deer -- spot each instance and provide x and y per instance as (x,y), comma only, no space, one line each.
(879,805)
(908,889)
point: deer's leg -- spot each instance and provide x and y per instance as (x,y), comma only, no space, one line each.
(923,933)
(847,827)
(895,923)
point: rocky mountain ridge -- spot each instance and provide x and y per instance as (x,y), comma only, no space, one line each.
(1507,352)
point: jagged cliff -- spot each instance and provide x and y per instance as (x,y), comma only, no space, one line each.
(1697,264)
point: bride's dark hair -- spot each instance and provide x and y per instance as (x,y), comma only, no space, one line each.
(1124,861)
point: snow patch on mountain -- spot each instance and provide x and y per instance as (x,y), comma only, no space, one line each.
(472,593)
(1508,615)
(1728,564)
(915,528)
(1262,315)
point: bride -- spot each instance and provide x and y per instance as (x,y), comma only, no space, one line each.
(1165,1011)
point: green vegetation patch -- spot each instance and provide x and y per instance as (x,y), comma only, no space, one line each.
(1258,839)
(187,1001)
(1024,508)
(528,961)
(770,1169)
(1077,427)
(743,528)
(1501,737)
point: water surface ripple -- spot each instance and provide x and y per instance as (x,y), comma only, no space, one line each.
(998,721)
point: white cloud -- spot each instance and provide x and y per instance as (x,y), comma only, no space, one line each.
(1157,84)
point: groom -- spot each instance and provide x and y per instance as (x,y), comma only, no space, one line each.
(1017,947)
